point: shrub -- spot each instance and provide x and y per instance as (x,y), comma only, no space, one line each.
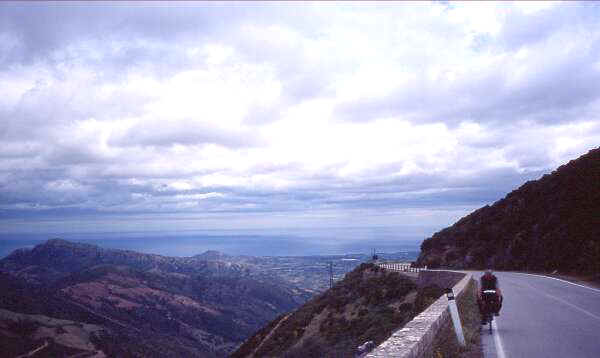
(22,327)
(426,296)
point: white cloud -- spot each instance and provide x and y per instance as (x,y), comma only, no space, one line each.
(531,7)
(247,108)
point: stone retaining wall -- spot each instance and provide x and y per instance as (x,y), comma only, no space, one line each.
(416,338)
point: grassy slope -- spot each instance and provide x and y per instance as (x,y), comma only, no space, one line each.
(368,305)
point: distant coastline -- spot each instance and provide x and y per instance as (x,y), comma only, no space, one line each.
(189,244)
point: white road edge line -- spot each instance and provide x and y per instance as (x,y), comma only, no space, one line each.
(567,303)
(498,341)
(573,306)
(558,279)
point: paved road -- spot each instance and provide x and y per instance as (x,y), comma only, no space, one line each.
(544,317)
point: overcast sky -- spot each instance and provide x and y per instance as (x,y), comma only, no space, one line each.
(183,116)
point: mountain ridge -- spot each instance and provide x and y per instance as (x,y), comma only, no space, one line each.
(548,224)
(146,304)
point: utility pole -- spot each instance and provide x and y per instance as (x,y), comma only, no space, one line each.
(330,274)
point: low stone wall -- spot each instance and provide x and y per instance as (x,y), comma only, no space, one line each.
(416,338)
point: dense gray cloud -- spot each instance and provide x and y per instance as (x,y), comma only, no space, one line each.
(546,71)
(576,18)
(39,30)
(277,114)
(552,90)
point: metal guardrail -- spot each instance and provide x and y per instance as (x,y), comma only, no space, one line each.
(401,266)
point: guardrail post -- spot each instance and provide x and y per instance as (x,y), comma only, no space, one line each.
(455,317)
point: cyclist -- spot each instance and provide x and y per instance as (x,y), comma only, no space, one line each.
(489,282)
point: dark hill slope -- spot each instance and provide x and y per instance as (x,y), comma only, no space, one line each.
(57,258)
(367,305)
(548,224)
(145,305)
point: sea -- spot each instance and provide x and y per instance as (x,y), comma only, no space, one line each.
(256,242)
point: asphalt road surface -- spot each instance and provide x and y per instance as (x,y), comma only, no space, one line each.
(544,317)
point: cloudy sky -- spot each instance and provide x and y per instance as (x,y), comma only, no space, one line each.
(187,116)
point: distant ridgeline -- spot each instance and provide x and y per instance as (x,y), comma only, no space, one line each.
(548,224)
(69,299)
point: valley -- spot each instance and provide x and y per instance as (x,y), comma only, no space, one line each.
(151,305)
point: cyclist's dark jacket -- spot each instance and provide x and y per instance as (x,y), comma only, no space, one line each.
(489,282)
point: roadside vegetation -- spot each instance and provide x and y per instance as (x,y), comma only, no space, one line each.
(446,345)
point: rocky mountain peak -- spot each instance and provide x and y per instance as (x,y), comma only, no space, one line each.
(211,255)
(58,242)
